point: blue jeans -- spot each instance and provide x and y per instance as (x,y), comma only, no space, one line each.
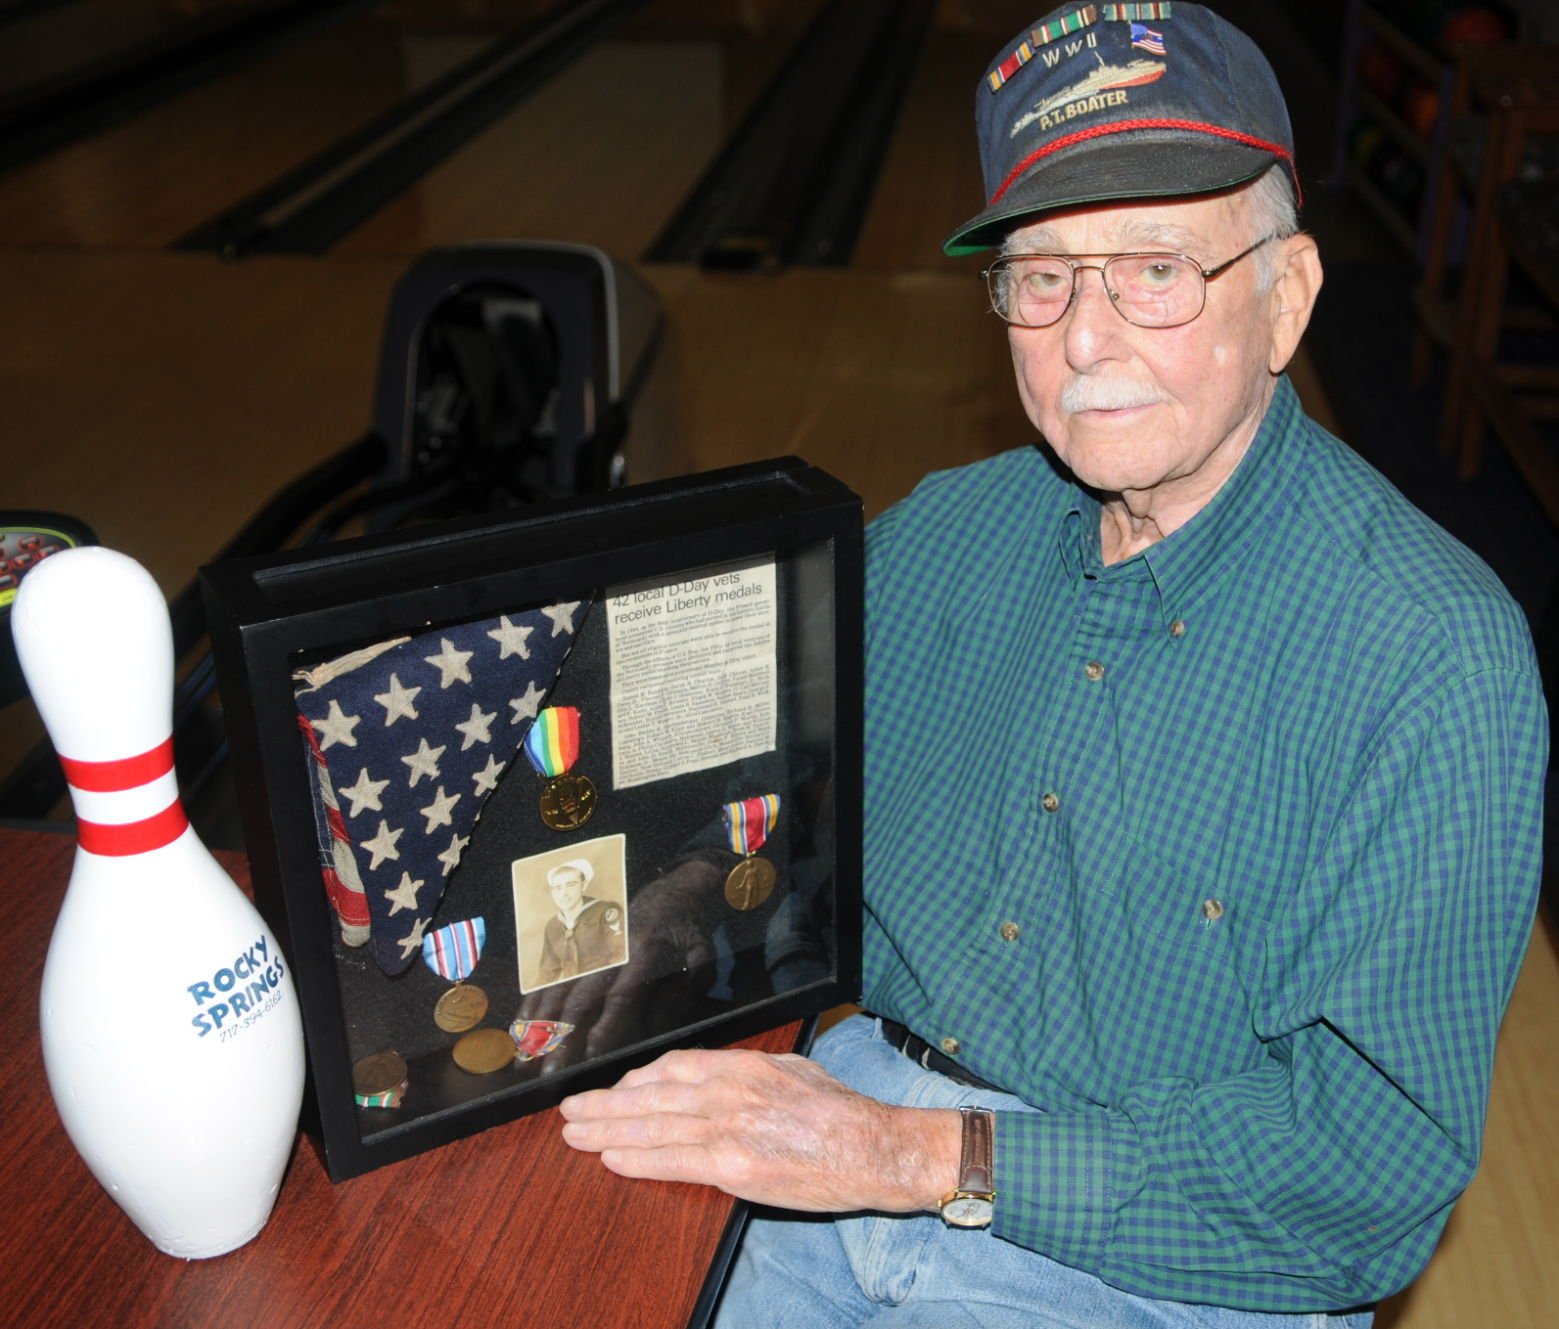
(912,1271)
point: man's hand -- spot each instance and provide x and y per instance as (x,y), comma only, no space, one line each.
(775,1130)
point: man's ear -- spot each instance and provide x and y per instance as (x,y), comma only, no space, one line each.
(1293,297)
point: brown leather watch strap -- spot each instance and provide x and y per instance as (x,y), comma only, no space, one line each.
(977,1165)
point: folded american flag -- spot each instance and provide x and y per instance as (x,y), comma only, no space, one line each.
(405,740)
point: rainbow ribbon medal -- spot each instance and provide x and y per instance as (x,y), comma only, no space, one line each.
(748,825)
(452,952)
(552,745)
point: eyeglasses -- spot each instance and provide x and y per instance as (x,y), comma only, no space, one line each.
(1147,290)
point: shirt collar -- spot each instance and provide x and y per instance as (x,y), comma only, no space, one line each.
(1190,561)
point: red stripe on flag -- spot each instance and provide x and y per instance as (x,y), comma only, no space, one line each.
(351,906)
(109,777)
(338,831)
(133,837)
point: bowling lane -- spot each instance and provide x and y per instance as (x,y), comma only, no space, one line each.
(45,44)
(605,152)
(164,171)
(930,176)
(163,397)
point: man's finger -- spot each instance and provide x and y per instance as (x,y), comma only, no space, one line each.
(646,1131)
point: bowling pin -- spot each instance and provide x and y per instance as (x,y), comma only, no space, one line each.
(171,1032)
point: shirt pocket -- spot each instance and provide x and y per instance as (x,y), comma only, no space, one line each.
(1172,991)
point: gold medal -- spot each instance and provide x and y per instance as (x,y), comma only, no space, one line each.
(750,883)
(378,1075)
(484,1051)
(747,824)
(567,802)
(461,1008)
(552,745)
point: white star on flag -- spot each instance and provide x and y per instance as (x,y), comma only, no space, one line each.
(382,846)
(511,638)
(404,896)
(525,707)
(337,727)
(486,779)
(424,761)
(478,729)
(365,793)
(437,812)
(450,858)
(411,943)
(397,702)
(562,616)
(450,663)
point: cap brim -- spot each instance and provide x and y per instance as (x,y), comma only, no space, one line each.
(1109,170)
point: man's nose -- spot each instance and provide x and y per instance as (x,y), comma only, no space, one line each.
(1092,322)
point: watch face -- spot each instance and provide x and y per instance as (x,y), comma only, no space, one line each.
(968,1211)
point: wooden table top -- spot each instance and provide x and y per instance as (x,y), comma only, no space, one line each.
(507,1227)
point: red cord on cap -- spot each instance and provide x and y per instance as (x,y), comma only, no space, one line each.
(1123,126)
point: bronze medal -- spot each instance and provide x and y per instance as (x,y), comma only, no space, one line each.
(380,1073)
(484,1051)
(750,883)
(567,802)
(461,1008)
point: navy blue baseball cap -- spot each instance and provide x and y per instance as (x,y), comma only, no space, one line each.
(1102,102)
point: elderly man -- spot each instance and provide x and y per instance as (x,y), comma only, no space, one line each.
(1185,972)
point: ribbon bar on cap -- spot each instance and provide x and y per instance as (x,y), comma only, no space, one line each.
(1137,12)
(1076,21)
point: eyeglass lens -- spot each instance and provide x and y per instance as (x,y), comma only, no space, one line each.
(1151,290)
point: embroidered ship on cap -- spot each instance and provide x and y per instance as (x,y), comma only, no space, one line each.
(1106,78)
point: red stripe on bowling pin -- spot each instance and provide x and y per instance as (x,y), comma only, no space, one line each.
(120,776)
(109,777)
(134,837)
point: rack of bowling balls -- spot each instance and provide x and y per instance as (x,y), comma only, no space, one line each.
(1396,164)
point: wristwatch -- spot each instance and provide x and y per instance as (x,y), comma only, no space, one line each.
(973,1202)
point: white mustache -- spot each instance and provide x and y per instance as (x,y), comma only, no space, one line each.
(1103,394)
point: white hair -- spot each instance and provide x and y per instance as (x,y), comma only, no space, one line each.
(1269,204)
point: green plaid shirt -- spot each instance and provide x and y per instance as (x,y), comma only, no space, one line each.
(1224,857)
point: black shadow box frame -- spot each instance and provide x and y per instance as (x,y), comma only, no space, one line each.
(705,964)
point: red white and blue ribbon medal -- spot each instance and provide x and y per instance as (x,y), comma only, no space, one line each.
(748,825)
(552,745)
(536,1038)
(452,953)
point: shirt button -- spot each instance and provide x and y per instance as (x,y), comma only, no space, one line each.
(1009,932)
(1094,670)
(1050,802)
(1177,628)
(951,1046)
(1212,910)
